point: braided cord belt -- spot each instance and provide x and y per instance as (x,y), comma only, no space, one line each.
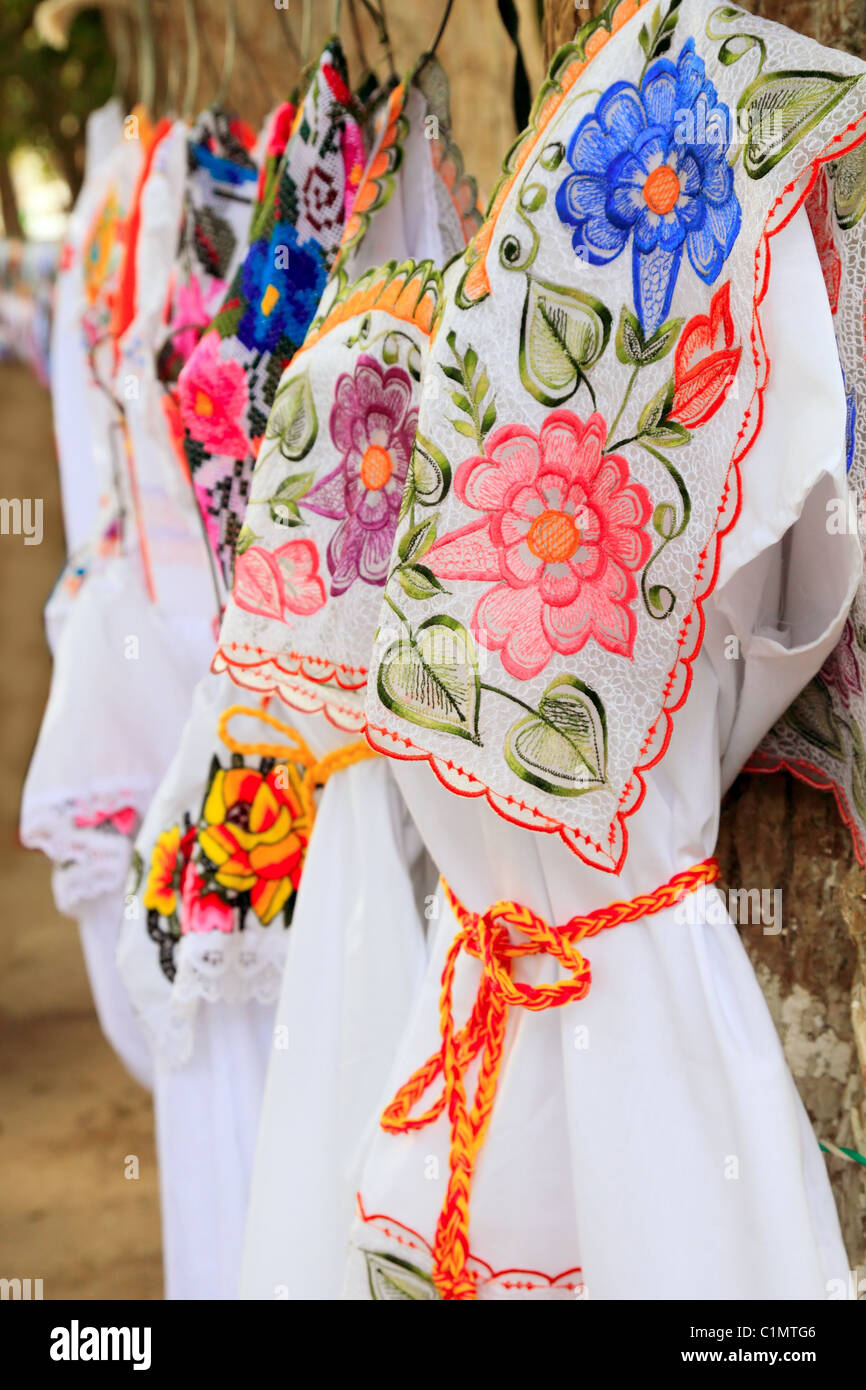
(487,937)
(295,749)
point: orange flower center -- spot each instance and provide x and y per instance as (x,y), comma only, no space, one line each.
(553,537)
(203,404)
(269,299)
(376,467)
(661,189)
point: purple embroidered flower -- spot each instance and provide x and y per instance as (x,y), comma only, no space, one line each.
(373,427)
(841,670)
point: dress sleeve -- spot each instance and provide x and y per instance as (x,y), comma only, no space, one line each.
(791,566)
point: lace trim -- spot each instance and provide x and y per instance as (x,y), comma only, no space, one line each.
(236,968)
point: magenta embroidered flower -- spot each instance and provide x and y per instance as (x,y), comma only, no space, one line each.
(841,670)
(373,427)
(279,582)
(214,399)
(562,535)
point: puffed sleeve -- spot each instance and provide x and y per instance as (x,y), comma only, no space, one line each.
(791,566)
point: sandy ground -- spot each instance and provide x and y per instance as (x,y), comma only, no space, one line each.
(69,1113)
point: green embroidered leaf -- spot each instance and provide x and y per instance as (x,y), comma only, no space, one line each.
(781,108)
(432,679)
(390,349)
(419,582)
(812,715)
(849,188)
(293,418)
(413,361)
(670,434)
(417,540)
(654,412)
(294,486)
(635,350)
(563,332)
(390,1277)
(464,427)
(285,513)
(563,748)
(246,538)
(227,320)
(428,478)
(471,399)
(137,872)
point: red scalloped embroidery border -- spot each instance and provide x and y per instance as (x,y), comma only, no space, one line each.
(491,1275)
(816,777)
(297,696)
(610,860)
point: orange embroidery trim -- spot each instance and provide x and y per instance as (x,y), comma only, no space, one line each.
(486,936)
(409,292)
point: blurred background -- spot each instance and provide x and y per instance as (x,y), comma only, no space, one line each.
(69,1114)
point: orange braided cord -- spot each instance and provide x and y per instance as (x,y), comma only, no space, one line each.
(295,749)
(486,936)
(345,756)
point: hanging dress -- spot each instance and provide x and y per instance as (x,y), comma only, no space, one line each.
(358,924)
(138,634)
(634,387)
(209,1079)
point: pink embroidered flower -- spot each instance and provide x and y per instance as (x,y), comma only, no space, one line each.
(189,315)
(841,670)
(213,399)
(373,427)
(123,821)
(202,912)
(275,583)
(562,536)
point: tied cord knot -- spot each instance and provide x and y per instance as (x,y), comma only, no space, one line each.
(488,937)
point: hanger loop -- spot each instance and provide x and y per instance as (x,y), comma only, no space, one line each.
(228,52)
(193,58)
(146,56)
(306,34)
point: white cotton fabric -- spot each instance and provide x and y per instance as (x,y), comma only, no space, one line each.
(79,483)
(357,911)
(649,1142)
(356,959)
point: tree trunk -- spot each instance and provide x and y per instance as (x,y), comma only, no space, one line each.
(8,200)
(777,831)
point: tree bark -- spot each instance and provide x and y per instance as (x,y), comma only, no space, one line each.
(9,200)
(776,831)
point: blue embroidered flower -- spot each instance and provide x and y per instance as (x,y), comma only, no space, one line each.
(651,164)
(282,279)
